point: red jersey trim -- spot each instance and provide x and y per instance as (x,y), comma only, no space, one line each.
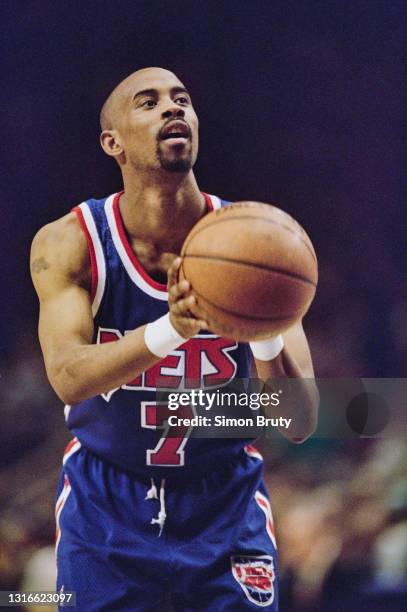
(131,254)
(264,505)
(126,245)
(209,203)
(92,254)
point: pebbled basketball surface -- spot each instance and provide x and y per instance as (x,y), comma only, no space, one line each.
(252,267)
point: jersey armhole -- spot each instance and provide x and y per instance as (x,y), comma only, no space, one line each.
(97,262)
(94,268)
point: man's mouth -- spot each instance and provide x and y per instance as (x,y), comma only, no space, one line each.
(176,131)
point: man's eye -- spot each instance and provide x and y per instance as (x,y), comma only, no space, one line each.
(149,103)
(182,100)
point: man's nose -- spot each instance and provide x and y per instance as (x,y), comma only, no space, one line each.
(173,111)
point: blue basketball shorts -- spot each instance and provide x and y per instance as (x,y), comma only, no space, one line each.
(127,544)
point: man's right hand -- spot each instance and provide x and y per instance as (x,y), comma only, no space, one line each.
(77,368)
(181,301)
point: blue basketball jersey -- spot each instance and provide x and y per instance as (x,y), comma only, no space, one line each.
(125,426)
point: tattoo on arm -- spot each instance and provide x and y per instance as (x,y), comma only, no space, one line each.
(39,264)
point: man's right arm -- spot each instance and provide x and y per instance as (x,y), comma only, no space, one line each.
(76,368)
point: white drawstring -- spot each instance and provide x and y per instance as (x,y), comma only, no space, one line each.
(152,494)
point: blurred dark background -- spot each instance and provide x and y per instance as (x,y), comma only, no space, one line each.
(301,103)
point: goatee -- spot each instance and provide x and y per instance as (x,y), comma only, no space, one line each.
(183,164)
(175,161)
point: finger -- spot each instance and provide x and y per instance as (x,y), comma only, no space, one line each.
(178,291)
(197,311)
(192,326)
(182,307)
(172,273)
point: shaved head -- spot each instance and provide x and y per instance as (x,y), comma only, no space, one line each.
(111,109)
(107,113)
(137,113)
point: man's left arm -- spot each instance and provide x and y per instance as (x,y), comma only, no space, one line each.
(293,361)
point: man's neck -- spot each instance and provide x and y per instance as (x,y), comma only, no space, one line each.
(161,212)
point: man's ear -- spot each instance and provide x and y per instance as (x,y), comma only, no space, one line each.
(110,143)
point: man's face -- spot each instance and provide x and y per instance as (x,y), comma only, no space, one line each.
(157,125)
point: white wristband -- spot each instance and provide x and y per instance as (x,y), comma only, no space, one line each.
(266,350)
(161,337)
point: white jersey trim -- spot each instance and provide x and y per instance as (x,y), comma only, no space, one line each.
(100,258)
(72,448)
(216,202)
(264,505)
(59,506)
(133,273)
(128,265)
(251,451)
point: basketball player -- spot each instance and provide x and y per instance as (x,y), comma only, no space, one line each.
(139,516)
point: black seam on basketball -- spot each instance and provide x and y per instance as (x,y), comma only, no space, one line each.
(181,269)
(243,316)
(286,227)
(254,265)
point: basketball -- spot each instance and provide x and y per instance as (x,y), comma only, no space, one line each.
(252,268)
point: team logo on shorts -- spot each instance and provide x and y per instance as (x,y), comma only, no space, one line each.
(256,576)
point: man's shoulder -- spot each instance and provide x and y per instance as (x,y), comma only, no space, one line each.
(62,243)
(68,227)
(60,233)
